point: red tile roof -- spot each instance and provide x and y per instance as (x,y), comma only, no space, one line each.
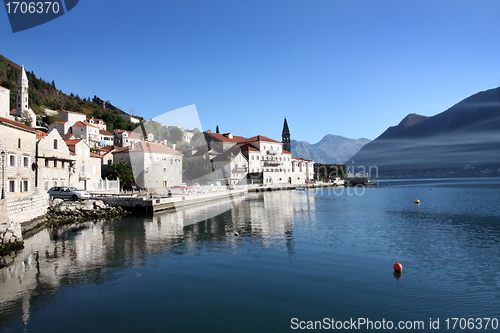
(81,123)
(154,148)
(225,137)
(72,142)
(248,147)
(16,124)
(300,159)
(286,152)
(4,88)
(40,134)
(96,120)
(94,155)
(121,150)
(68,136)
(261,138)
(103,132)
(61,122)
(13,112)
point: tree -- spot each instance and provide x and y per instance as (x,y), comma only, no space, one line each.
(122,171)
(217,129)
(71,170)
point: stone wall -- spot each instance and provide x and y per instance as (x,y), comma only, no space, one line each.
(25,209)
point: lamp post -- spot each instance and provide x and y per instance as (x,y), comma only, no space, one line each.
(3,174)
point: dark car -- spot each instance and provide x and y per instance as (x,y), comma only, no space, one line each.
(131,187)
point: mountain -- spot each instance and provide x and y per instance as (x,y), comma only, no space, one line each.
(461,141)
(332,149)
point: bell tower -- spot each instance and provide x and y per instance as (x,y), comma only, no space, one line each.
(22,93)
(285,137)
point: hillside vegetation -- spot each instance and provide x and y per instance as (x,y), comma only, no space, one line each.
(45,95)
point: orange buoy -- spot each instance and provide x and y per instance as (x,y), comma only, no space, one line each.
(417,201)
(397,267)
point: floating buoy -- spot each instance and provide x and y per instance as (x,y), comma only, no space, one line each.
(397,267)
(417,201)
(236,233)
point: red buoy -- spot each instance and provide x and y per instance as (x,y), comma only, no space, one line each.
(397,267)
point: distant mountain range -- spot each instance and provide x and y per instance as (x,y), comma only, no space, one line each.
(461,141)
(332,149)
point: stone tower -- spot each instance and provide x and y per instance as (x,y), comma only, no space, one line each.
(285,136)
(22,93)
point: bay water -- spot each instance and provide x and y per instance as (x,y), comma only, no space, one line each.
(270,262)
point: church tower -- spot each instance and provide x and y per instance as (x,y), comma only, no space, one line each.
(285,136)
(22,93)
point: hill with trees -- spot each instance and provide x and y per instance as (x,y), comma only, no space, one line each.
(44,95)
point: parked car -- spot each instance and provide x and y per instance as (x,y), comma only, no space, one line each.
(131,187)
(68,192)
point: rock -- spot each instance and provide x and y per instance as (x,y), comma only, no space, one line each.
(100,205)
(55,202)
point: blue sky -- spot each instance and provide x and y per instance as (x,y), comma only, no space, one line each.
(350,68)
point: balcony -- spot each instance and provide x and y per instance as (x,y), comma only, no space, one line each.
(269,152)
(271,163)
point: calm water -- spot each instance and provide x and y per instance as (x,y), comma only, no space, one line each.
(308,255)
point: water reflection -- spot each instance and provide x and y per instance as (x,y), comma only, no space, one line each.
(91,252)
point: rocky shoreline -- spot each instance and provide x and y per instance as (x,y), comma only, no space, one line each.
(61,211)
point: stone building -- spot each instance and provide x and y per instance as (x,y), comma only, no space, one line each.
(156,166)
(268,162)
(87,132)
(72,117)
(87,171)
(231,167)
(54,160)
(99,123)
(126,138)
(18,145)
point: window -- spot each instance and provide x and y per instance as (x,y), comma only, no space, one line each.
(12,186)
(19,143)
(25,186)
(26,162)
(12,161)
(55,163)
(46,185)
(55,143)
(55,184)
(46,163)
(62,165)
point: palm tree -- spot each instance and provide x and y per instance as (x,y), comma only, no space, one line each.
(122,171)
(71,170)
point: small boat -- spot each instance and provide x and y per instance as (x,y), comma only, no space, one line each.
(300,188)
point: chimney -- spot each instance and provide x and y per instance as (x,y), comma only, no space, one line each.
(173,146)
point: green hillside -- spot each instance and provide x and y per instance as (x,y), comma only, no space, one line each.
(43,94)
